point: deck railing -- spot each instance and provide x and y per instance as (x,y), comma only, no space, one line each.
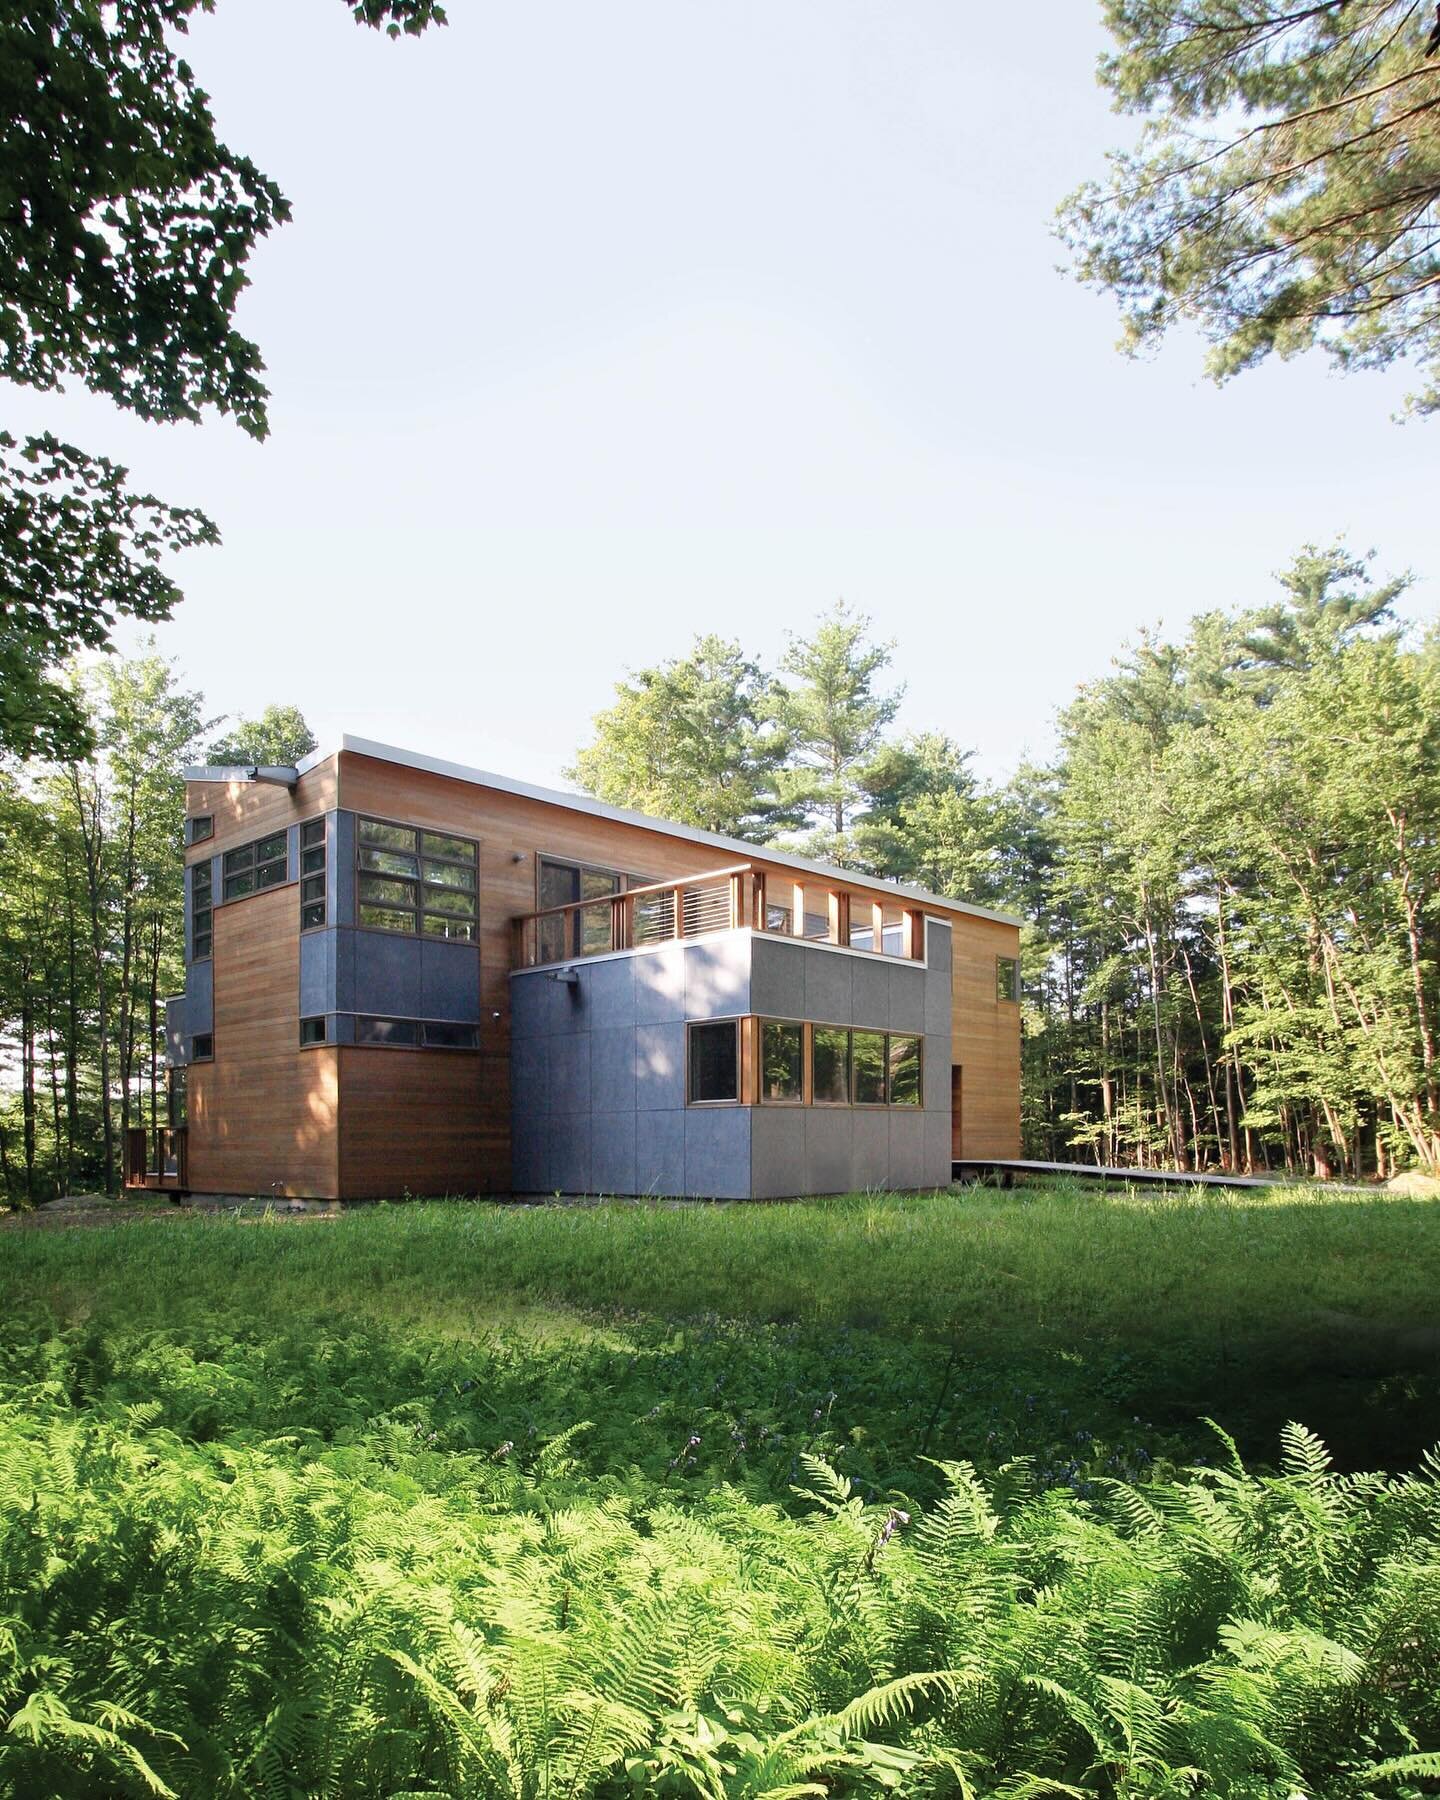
(718,900)
(156,1159)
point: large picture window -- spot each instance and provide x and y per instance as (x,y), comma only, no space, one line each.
(263,864)
(313,874)
(714,1062)
(202,911)
(847,1067)
(416,881)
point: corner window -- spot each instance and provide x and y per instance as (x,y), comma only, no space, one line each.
(1007,978)
(418,882)
(202,911)
(202,1047)
(831,1058)
(314,874)
(782,1061)
(202,826)
(404,1033)
(312,1031)
(714,1062)
(263,864)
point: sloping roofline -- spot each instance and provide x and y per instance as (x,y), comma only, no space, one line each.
(525,790)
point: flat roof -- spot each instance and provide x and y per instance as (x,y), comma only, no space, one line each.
(584,803)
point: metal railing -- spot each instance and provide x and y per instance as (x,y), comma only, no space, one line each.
(715,900)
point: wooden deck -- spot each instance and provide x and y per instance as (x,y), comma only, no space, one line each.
(972,1167)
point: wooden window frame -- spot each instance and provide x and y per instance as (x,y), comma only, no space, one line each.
(800,1025)
(884,1037)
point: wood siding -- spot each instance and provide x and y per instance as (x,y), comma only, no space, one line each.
(243,810)
(986,1037)
(417,1122)
(263,1113)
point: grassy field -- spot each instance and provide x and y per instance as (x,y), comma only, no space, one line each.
(888,1493)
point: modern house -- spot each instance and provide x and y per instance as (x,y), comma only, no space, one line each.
(408,977)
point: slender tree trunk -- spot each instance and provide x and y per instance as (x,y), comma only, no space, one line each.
(92,839)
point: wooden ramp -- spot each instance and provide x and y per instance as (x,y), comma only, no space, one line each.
(972,1167)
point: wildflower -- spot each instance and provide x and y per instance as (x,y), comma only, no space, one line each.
(895,1521)
(504,1450)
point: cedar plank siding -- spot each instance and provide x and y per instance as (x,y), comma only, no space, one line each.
(263,1113)
(985,1038)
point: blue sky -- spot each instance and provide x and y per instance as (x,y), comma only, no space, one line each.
(600,326)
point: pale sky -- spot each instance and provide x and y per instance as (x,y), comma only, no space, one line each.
(598,326)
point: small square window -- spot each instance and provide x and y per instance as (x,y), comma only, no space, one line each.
(312,1031)
(202,1047)
(202,826)
(714,1062)
(441,1034)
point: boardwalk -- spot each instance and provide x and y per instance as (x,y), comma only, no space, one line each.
(971,1168)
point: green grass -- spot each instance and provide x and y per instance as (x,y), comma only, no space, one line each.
(1251,1306)
(348,1506)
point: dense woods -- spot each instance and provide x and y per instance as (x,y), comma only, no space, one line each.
(1230,869)
(91,923)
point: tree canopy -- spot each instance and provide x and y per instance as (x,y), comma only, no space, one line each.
(126,228)
(279,737)
(1283,191)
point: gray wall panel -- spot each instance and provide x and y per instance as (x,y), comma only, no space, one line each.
(317,973)
(870,1154)
(387,974)
(777,1151)
(828,986)
(341,839)
(937,1150)
(717,1152)
(569,1157)
(717,977)
(610,991)
(569,1074)
(907,1147)
(449,980)
(907,995)
(935,1075)
(200,996)
(612,1152)
(939,945)
(870,991)
(660,1153)
(177,1032)
(829,1149)
(659,1067)
(777,978)
(660,985)
(612,1069)
(345,970)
